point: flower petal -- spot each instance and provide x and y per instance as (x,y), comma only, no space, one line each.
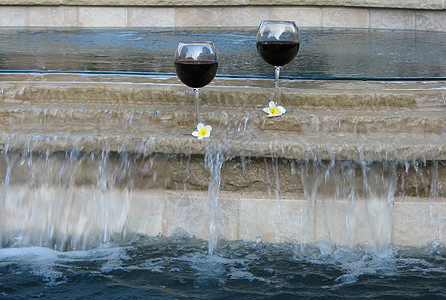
(267,110)
(195,133)
(272,104)
(200,126)
(281,109)
(208,128)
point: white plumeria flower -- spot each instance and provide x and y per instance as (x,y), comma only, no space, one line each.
(202,131)
(273,110)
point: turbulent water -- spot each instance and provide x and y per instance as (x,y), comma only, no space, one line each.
(112,264)
(180,268)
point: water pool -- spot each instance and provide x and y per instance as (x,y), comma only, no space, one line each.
(179,268)
(323,54)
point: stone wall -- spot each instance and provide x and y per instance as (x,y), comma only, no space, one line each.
(398,14)
(407,4)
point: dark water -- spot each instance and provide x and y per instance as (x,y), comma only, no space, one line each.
(179,268)
(323,53)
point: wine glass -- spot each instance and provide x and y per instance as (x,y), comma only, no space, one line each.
(196,65)
(278,43)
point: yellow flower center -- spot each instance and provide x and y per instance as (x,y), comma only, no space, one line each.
(202,132)
(274,111)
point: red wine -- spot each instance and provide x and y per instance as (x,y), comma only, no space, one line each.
(277,53)
(196,73)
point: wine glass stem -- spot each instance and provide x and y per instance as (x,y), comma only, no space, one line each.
(197,99)
(276,83)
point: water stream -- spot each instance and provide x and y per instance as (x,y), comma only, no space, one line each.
(83,203)
(114,222)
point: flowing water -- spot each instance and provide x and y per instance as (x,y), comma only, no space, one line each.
(63,246)
(70,220)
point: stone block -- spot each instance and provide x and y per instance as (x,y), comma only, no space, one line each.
(191,212)
(245,16)
(303,16)
(102,17)
(392,19)
(276,220)
(417,222)
(430,20)
(407,4)
(151,17)
(199,17)
(53,16)
(13,16)
(345,17)
(351,222)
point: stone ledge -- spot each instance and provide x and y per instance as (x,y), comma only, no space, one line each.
(155,212)
(402,4)
(221,16)
(226,92)
(345,120)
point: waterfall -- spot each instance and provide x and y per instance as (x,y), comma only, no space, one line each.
(78,199)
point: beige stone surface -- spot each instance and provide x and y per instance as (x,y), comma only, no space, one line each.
(276,220)
(411,4)
(392,19)
(345,17)
(191,212)
(80,216)
(408,4)
(379,129)
(351,14)
(13,16)
(245,16)
(435,21)
(417,223)
(303,16)
(102,17)
(53,16)
(151,17)
(199,17)
(146,209)
(354,221)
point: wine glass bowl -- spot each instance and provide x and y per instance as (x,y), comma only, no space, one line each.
(278,43)
(196,65)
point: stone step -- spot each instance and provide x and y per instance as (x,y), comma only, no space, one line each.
(226,92)
(126,141)
(422,120)
(324,119)
(250,143)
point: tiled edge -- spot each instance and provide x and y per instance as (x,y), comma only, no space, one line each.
(345,17)
(405,4)
(310,16)
(417,223)
(151,17)
(222,16)
(276,220)
(102,17)
(406,222)
(392,19)
(347,222)
(429,20)
(53,16)
(14,16)
(289,219)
